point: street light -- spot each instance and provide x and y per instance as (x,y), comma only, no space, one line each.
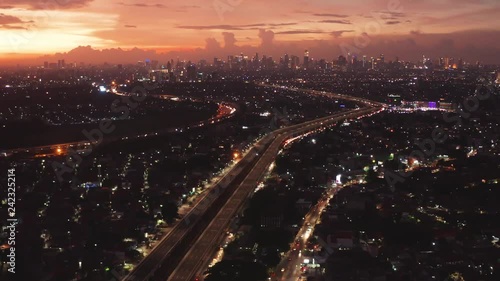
(236,155)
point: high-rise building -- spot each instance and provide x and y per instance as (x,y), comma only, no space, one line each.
(498,78)
(322,64)
(354,61)
(46,65)
(295,62)
(231,61)
(256,61)
(286,61)
(191,72)
(306,59)
(364,61)
(446,63)
(342,61)
(61,64)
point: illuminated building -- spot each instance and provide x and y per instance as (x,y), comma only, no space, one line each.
(287,61)
(446,63)
(306,59)
(191,72)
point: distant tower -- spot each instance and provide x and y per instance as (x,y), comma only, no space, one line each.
(306,59)
(191,72)
(287,61)
(342,61)
(446,63)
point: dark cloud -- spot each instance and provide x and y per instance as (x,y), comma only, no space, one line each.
(12,22)
(338,33)
(392,15)
(331,15)
(336,21)
(17,27)
(143,5)
(266,37)
(210,27)
(393,22)
(130,26)
(212,44)
(45,5)
(6,19)
(182,9)
(236,27)
(280,24)
(301,32)
(229,39)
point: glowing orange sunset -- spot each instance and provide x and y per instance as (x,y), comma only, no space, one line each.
(32,28)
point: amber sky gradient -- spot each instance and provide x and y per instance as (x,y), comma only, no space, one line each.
(193,29)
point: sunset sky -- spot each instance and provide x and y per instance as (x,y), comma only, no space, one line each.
(194,29)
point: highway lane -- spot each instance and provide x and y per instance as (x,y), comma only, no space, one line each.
(195,261)
(167,245)
(203,249)
(200,252)
(147,267)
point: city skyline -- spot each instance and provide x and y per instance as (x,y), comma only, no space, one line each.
(203,30)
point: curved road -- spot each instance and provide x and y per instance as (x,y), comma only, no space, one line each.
(199,253)
(195,261)
(226,110)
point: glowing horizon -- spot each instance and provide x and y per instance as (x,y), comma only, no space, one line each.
(31,28)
